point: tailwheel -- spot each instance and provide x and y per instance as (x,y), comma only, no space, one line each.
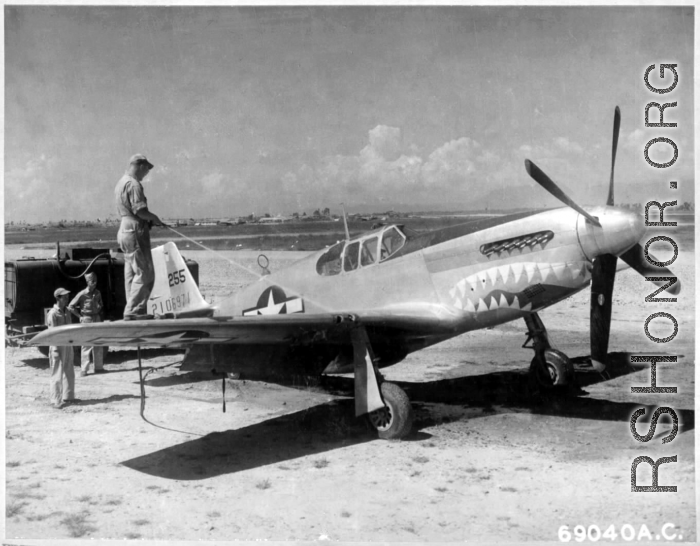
(555,373)
(395,419)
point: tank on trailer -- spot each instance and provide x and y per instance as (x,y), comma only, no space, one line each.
(30,283)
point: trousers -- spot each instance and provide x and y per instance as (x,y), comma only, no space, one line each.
(139,273)
(62,384)
(91,354)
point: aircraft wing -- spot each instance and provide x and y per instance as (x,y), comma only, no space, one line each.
(263,329)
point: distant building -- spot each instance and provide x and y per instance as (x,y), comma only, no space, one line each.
(272,220)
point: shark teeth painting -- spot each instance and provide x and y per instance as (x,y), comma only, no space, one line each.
(499,287)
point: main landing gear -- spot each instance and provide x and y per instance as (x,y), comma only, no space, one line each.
(386,404)
(395,419)
(550,369)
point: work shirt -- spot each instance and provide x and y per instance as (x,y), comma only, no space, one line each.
(89,303)
(129,197)
(56,317)
(134,232)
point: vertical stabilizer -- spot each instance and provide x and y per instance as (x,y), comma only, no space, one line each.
(175,293)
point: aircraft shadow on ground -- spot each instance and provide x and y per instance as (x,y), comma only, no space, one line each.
(37,363)
(109,399)
(180,379)
(512,389)
(111,357)
(330,426)
(131,355)
(313,431)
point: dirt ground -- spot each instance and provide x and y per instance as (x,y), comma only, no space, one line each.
(486,462)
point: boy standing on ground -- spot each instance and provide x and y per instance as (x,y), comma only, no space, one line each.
(87,306)
(62,387)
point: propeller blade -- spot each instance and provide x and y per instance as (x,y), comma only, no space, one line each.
(634,257)
(616,134)
(602,283)
(543,180)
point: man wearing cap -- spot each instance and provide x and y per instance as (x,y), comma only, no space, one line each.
(87,306)
(62,387)
(134,237)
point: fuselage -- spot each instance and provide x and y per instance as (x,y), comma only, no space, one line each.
(471,276)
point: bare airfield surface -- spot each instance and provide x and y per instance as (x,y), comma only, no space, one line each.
(485,461)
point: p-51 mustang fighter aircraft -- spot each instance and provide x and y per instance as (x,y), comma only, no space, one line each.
(367,302)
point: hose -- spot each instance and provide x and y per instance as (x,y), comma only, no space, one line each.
(87,269)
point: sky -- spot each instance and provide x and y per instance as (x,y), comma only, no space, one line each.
(253,110)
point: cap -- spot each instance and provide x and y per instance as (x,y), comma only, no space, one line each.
(91,275)
(140,158)
(60,292)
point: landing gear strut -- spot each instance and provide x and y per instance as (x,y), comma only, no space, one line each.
(550,369)
(386,404)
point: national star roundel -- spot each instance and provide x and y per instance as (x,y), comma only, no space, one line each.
(273,301)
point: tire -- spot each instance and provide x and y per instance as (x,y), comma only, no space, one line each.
(558,372)
(394,421)
(44,350)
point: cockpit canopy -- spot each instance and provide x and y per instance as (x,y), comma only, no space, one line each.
(373,247)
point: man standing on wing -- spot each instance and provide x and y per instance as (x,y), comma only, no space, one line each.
(134,237)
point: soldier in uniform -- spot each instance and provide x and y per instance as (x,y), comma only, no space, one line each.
(87,306)
(62,387)
(134,237)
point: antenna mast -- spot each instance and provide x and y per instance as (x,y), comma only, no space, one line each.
(345,221)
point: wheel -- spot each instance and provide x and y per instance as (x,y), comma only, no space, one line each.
(558,371)
(44,350)
(394,421)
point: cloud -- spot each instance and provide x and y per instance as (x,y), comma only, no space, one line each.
(35,186)
(182,155)
(309,187)
(451,163)
(635,139)
(560,148)
(161,169)
(489,158)
(385,169)
(458,172)
(566,145)
(213,182)
(384,143)
(537,152)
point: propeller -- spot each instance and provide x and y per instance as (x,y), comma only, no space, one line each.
(603,277)
(634,257)
(602,283)
(548,184)
(616,134)
(604,265)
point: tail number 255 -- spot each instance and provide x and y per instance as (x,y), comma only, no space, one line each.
(176,277)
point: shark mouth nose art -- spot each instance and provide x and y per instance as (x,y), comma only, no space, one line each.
(493,288)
